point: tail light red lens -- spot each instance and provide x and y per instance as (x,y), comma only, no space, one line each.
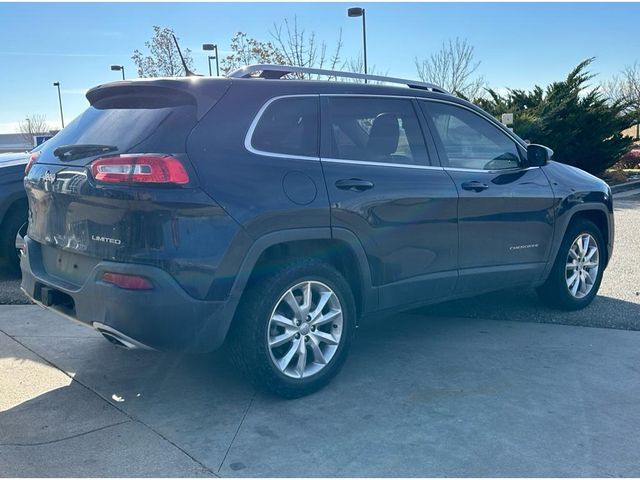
(128,282)
(32,160)
(140,168)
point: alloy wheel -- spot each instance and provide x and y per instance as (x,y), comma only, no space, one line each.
(305,329)
(582,266)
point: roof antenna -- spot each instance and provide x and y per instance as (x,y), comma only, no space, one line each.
(187,72)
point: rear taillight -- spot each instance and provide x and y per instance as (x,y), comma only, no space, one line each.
(140,168)
(32,160)
(128,282)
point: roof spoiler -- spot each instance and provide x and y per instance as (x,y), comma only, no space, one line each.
(203,95)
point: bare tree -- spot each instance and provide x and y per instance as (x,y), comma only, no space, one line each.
(613,89)
(625,89)
(163,59)
(33,125)
(453,68)
(289,45)
(302,49)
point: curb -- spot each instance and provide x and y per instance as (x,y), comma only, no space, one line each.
(627,194)
(625,186)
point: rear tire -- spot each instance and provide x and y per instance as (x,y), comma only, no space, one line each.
(10,228)
(577,271)
(291,333)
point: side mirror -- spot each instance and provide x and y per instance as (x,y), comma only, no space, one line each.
(538,155)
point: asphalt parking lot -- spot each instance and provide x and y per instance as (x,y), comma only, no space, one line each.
(491,386)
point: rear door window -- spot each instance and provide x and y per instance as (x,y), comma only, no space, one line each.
(374,129)
(288,126)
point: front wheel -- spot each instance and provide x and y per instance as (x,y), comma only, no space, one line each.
(577,272)
(292,332)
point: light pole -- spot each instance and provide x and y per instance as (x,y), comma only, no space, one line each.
(359,12)
(118,68)
(32,141)
(57,84)
(208,47)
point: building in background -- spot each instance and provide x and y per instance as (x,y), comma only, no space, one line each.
(14,142)
(18,142)
(633,131)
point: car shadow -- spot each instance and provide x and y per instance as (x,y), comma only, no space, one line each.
(525,306)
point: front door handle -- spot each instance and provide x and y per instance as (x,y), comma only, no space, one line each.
(354,184)
(475,186)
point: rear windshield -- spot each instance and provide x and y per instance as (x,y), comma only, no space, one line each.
(161,129)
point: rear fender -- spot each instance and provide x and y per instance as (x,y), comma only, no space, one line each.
(369,298)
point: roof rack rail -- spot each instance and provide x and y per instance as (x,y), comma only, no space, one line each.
(279,71)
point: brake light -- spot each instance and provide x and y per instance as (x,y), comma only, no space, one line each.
(128,282)
(32,160)
(140,168)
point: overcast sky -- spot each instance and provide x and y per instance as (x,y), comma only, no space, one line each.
(519,45)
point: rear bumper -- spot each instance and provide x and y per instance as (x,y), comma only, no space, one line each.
(165,318)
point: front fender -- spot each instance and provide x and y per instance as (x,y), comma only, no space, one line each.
(576,192)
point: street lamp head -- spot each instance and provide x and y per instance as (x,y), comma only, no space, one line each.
(355,11)
(56,84)
(116,68)
(208,46)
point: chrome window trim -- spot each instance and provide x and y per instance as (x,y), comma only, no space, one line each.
(422,167)
(249,136)
(493,172)
(380,164)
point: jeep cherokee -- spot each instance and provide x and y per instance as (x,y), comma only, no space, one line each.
(276,213)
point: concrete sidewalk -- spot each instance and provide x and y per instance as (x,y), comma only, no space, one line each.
(419,396)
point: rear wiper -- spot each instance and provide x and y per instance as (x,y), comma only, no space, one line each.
(71,152)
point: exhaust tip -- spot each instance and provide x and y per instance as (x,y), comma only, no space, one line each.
(113,340)
(119,339)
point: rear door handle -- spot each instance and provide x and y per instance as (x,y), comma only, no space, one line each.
(354,184)
(475,186)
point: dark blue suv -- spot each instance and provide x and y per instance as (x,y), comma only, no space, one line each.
(276,213)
